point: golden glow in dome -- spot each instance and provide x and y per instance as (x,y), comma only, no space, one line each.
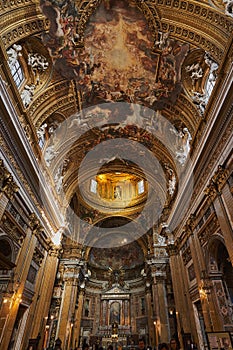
(119,186)
(115,190)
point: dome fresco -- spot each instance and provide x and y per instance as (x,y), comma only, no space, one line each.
(126,257)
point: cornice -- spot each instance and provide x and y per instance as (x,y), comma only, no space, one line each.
(208,153)
(22,30)
(11,19)
(9,5)
(194,37)
(197,9)
(200,25)
(21,160)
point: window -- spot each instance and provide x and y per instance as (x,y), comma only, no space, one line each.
(93,186)
(140,186)
(17,73)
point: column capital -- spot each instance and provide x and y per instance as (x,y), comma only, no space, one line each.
(172,250)
(35,224)
(54,250)
(158,270)
(191,222)
(217,182)
(190,225)
(7,184)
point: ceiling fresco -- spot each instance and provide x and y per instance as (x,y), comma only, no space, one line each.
(123,70)
(120,60)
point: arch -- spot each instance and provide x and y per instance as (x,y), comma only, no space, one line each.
(211,252)
(7,255)
(219,265)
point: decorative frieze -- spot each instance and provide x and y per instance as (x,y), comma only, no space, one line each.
(11,158)
(200,10)
(9,5)
(23,30)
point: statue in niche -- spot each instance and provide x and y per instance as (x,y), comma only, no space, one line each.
(117,192)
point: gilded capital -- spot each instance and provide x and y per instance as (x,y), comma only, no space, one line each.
(191,222)
(54,250)
(7,184)
(35,225)
(217,182)
(171,250)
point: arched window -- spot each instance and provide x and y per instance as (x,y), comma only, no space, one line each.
(16,70)
(17,73)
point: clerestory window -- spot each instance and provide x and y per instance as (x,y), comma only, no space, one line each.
(17,73)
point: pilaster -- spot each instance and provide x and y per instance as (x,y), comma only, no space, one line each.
(67,314)
(16,293)
(161,323)
(214,192)
(182,313)
(150,319)
(43,292)
(77,322)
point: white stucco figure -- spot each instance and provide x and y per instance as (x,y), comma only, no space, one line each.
(13,54)
(27,94)
(49,155)
(195,71)
(41,134)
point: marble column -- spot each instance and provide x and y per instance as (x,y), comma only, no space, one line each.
(182,311)
(77,322)
(151,333)
(44,292)
(160,302)
(67,316)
